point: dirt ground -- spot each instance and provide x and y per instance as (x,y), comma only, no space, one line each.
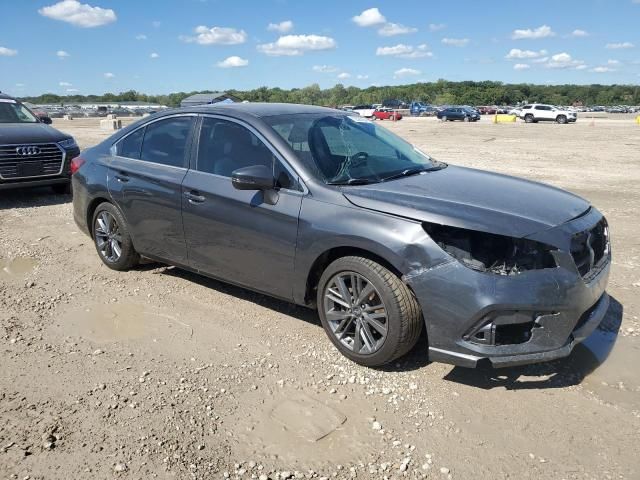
(159,373)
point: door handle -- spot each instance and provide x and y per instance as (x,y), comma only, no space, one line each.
(194,197)
(121,177)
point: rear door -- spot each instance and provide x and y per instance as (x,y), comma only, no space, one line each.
(236,235)
(543,112)
(145,181)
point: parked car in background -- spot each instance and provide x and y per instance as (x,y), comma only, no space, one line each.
(538,112)
(386,114)
(486,110)
(31,152)
(419,109)
(42,114)
(322,208)
(364,110)
(395,104)
(458,113)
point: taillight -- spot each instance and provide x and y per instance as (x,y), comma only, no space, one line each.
(76,163)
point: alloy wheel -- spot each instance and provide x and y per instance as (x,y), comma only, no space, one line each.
(355,313)
(108,237)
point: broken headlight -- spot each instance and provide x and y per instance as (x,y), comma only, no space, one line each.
(491,253)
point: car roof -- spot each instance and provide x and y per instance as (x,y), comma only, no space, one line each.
(261,109)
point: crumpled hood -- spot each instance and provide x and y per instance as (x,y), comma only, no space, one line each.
(25,133)
(473,199)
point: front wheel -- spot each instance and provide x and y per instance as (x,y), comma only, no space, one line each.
(112,239)
(528,118)
(562,119)
(368,313)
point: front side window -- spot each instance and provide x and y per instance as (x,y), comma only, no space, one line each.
(14,112)
(344,149)
(165,141)
(226,146)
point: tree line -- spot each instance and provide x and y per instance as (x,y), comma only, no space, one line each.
(442,92)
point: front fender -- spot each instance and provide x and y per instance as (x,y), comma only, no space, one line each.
(401,242)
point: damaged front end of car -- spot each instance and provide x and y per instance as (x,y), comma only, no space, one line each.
(515,300)
(492,253)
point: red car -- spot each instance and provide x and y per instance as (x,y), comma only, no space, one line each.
(386,114)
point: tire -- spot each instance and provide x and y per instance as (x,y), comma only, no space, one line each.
(117,231)
(62,188)
(466,119)
(562,119)
(528,118)
(402,315)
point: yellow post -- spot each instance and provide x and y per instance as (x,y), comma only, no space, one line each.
(638,119)
(504,118)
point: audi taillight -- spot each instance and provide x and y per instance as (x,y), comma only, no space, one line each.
(76,163)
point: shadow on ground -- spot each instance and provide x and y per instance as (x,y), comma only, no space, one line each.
(31,197)
(585,358)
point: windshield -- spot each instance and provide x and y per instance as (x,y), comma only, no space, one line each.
(344,149)
(13,112)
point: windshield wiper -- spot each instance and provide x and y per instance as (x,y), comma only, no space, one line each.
(407,173)
(353,181)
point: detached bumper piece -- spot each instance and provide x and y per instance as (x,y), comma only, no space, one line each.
(520,332)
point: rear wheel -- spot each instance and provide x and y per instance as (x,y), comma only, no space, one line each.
(112,239)
(561,119)
(528,118)
(368,313)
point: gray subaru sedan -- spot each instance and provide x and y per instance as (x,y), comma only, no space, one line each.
(329,210)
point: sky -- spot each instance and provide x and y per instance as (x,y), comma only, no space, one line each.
(163,46)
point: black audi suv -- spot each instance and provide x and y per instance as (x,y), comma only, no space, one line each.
(329,210)
(32,153)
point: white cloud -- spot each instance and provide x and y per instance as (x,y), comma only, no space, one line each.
(282,27)
(520,54)
(362,77)
(7,52)
(614,62)
(369,18)
(602,69)
(62,54)
(109,75)
(456,42)
(296,45)
(65,84)
(72,90)
(405,72)
(436,27)
(324,68)
(540,32)
(233,62)
(617,46)
(521,66)
(79,14)
(405,51)
(579,33)
(154,55)
(216,36)
(156,23)
(19,85)
(392,29)
(563,61)
(141,36)
(540,60)
(344,76)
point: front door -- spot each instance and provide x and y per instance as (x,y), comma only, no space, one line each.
(145,181)
(237,235)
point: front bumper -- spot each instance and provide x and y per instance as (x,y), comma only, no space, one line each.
(554,308)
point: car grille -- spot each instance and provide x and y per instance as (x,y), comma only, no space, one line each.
(47,160)
(590,247)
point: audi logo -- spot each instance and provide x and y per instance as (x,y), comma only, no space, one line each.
(28,151)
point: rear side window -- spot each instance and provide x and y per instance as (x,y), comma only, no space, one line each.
(165,141)
(526,107)
(130,145)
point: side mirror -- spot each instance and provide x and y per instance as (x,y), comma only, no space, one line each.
(255,177)
(46,120)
